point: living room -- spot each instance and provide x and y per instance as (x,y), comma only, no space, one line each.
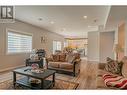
(93,32)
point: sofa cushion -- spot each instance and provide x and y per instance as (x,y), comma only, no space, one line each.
(113,66)
(115,81)
(55,57)
(124,67)
(66,65)
(100,83)
(101,66)
(54,64)
(62,57)
(102,72)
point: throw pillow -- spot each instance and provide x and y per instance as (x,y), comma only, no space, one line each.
(124,67)
(113,66)
(115,81)
(62,57)
(55,57)
(70,58)
(120,66)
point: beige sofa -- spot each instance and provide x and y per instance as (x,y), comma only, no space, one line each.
(62,65)
(101,71)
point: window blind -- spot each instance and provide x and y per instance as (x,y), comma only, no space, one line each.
(18,43)
(56,46)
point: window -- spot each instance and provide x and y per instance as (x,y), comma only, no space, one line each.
(65,44)
(56,46)
(18,42)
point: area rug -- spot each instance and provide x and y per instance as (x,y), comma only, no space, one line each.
(59,84)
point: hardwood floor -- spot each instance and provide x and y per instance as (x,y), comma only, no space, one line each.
(86,78)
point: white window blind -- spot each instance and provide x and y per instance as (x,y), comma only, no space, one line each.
(18,42)
(56,46)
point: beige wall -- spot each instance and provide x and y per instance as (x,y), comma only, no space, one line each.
(121,39)
(14,60)
(125,48)
(121,35)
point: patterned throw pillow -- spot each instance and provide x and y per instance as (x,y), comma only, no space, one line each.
(62,57)
(113,66)
(70,58)
(115,81)
(124,67)
(55,57)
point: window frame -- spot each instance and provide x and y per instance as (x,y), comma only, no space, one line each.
(56,46)
(18,32)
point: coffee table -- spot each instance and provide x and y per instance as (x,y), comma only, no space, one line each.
(26,72)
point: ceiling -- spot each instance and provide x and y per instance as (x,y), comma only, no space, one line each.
(65,20)
(117,15)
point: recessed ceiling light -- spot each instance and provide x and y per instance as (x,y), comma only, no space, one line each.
(40,19)
(85,17)
(52,22)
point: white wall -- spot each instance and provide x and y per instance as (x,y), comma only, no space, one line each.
(100,46)
(93,46)
(106,45)
(10,61)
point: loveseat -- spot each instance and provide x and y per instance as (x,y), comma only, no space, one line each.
(101,71)
(65,63)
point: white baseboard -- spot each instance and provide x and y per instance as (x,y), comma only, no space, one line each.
(95,61)
(10,68)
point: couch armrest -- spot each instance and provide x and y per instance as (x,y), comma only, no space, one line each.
(76,61)
(76,66)
(101,66)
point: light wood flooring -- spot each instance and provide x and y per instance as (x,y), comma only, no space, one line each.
(86,78)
